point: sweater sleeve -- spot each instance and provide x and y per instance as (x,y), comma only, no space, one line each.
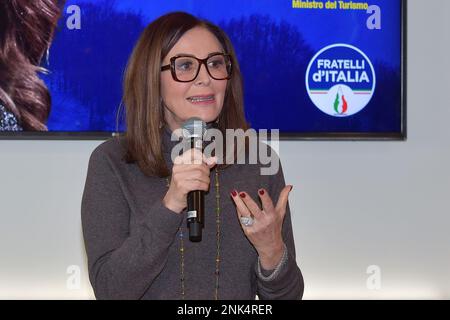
(288,282)
(122,263)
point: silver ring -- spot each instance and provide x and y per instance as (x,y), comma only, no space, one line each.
(247,221)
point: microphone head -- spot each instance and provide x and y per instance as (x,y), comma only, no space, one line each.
(194,128)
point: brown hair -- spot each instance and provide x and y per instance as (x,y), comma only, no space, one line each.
(26,31)
(142,90)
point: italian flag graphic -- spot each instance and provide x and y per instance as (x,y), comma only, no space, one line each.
(340,104)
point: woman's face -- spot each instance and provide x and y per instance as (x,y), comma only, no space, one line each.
(177,96)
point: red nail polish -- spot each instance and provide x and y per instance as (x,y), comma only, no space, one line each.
(261,192)
(242,195)
(234,193)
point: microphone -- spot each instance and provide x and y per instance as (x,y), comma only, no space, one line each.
(194,130)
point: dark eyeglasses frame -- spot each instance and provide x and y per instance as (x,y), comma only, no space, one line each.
(171,66)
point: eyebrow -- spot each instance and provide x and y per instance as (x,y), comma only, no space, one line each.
(191,55)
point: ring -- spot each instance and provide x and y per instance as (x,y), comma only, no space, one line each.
(247,221)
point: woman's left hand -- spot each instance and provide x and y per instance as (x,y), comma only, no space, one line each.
(265,232)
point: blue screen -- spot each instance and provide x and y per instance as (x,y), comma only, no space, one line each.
(309,67)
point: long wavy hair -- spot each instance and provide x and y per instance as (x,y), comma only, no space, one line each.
(142,90)
(26,31)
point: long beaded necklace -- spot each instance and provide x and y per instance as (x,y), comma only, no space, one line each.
(181,236)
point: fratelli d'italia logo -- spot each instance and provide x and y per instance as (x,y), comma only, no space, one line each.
(340,80)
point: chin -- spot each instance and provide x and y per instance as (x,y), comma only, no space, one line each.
(205,116)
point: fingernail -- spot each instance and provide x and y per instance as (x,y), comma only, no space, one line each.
(291,188)
(261,192)
(242,195)
(233,193)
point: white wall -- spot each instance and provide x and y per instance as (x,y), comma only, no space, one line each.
(354,204)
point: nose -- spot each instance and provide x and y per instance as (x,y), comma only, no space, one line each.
(203,76)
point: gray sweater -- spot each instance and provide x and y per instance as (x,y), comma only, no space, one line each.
(132,241)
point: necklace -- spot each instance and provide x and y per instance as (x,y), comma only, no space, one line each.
(182,250)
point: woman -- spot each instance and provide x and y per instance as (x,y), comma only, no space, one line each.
(26,31)
(134,202)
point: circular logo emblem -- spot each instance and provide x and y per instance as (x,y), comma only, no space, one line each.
(340,80)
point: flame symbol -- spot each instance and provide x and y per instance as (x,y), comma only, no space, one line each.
(344,105)
(337,102)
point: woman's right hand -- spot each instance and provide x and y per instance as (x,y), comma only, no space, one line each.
(190,172)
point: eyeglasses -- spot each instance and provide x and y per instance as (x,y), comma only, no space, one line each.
(185,68)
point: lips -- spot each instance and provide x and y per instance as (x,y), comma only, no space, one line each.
(207,98)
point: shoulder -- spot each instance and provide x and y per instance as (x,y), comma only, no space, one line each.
(259,162)
(113,149)
(264,156)
(8,121)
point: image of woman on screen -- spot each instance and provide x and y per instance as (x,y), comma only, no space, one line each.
(26,31)
(134,202)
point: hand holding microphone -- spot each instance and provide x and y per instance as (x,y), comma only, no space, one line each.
(191,171)
(190,179)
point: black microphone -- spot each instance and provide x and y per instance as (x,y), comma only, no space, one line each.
(194,129)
